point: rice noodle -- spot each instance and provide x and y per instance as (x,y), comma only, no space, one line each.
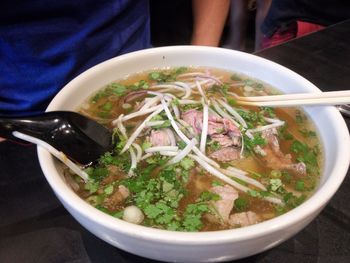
(168,153)
(139,129)
(147,155)
(162,148)
(234,113)
(140,113)
(138,151)
(183,153)
(236,170)
(121,127)
(58,154)
(204,83)
(133,162)
(212,112)
(185,102)
(200,75)
(168,86)
(176,111)
(273,200)
(271,120)
(267,127)
(218,174)
(204,132)
(151,102)
(186,87)
(154,123)
(224,114)
(191,74)
(226,179)
(243,178)
(167,96)
(212,78)
(199,87)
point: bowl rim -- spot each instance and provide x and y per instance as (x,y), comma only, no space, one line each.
(310,206)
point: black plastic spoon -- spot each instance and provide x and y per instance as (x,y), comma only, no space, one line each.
(81,139)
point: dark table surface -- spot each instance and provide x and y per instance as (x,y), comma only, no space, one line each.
(34,227)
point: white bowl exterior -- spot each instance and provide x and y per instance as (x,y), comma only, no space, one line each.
(209,246)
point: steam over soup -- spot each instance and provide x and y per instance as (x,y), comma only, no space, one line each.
(187,158)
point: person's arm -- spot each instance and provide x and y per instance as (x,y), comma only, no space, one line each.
(209,17)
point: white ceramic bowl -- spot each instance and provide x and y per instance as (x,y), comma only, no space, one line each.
(206,246)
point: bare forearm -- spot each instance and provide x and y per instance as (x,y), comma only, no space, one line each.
(209,17)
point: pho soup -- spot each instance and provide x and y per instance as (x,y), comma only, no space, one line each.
(187,157)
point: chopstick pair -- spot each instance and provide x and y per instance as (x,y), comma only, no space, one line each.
(297,99)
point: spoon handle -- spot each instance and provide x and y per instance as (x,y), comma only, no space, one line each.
(35,125)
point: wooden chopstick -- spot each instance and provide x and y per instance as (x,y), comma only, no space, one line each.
(297,99)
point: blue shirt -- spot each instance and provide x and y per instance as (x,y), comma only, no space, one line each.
(45,44)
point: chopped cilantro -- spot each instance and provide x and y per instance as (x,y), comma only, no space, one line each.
(250,144)
(241,204)
(187,163)
(275,184)
(217,183)
(166,76)
(299,185)
(181,145)
(107,106)
(307,133)
(299,117)
(214,145)
(232,102)
(98,173)
(118,214)
(117,89)
(284,134)
(166,124)
(146,145)
(291,201)
(192,222)
(209,196)
(95,200)
(286,177)
(269,112)
(253,193)
(108,190)
(275,174)
(92,186)
(305,154)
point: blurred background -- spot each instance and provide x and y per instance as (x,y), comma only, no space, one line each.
(171,24)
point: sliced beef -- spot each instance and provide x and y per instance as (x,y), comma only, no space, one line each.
(195,119)
(226,154)
(117,198)
(224,206)
(220,130)
(223,140)
(216,125)
(243,219)
(162,137)
(275,158)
